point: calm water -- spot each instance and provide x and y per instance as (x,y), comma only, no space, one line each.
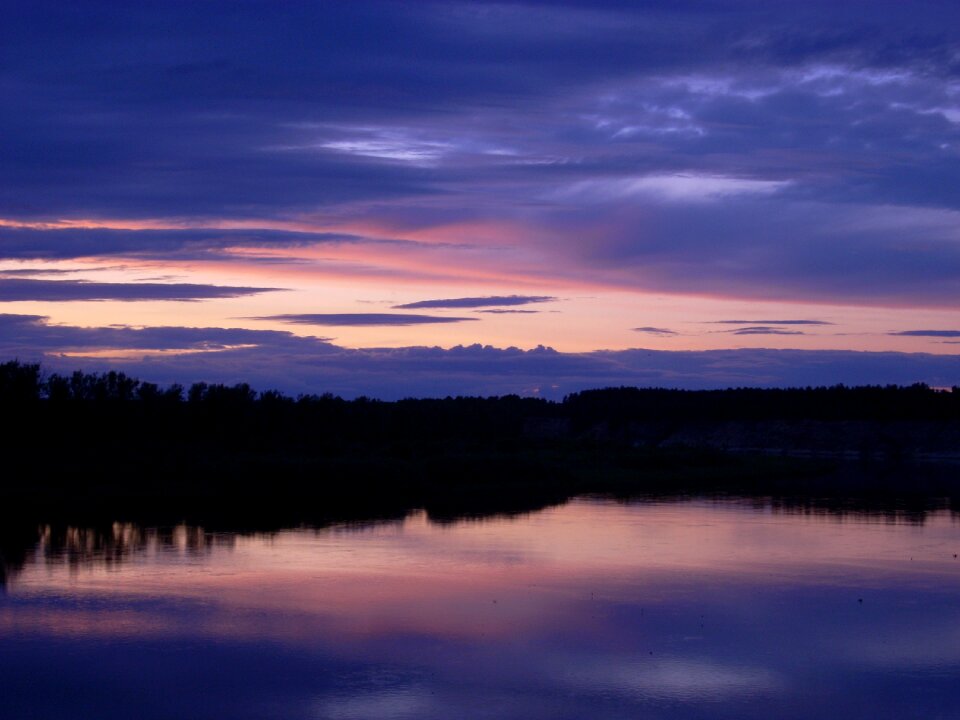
(589,610)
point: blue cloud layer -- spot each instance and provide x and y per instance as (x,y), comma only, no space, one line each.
(276,359)
(18,290)
(779,151)
(175,244)
(477,302)
(928,333)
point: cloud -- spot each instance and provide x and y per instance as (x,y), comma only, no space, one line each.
(825,140)
(799,251)
(77,290)
(475,302)
(33,271)
(277,359)
(34,334)
(655,331)
(363,319)
(927,333)
(771,322)
(174,243)
(761,330)
(681,187)
(500,311)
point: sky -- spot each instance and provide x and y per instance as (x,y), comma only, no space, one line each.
(433,198)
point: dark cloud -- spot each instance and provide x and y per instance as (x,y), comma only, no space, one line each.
(771,322)
(30,335)
(74,290)
(276,359)
(927,333)
(609,129)
(798,252)
(475,302)
(182,244)
(363,319)
(655,331)
(761,330)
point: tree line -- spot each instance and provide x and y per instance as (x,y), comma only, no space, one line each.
(25,384)
(106,444)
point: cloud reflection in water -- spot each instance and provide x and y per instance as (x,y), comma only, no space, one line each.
(588,610)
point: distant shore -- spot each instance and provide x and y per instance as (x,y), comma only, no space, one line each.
(109,445)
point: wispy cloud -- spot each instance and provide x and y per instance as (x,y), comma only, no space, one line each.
(363,319)
(677,188)
(34,271)
(927,333)
(499,311)
(476,302)
(391,145)
(762,330)
(771,322)
(34,334)
(171,243)
(648,330)
(19,290)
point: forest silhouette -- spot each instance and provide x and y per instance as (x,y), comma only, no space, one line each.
(107,442)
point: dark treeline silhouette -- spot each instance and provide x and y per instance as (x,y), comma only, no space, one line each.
(108,443)
(872,402)
(24,383)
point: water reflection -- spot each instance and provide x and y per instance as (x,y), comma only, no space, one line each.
(592,609)
(117,541)
(122,541)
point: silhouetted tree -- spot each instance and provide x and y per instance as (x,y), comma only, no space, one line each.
(19,382)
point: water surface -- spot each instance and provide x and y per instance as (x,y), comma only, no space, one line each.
(593,609)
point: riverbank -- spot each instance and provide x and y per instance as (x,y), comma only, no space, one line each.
(110,446)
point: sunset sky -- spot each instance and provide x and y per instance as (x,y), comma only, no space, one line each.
(428,198)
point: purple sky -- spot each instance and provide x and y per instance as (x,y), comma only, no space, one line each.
(412,198)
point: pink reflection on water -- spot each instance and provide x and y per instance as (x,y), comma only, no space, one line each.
(491,579)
